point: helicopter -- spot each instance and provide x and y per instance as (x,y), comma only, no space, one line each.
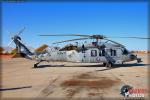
(102,50)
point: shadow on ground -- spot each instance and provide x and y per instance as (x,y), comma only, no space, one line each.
(124,65)
(98,65)
(17,88)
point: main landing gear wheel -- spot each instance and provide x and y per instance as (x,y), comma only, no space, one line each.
(139,60)
(109,65)
(104,64)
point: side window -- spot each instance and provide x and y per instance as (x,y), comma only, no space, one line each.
(100,53)
(93,53)
(113,52)
(103,52)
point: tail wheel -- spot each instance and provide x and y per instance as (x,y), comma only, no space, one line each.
(35,65)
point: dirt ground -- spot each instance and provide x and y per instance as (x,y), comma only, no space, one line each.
(63,80)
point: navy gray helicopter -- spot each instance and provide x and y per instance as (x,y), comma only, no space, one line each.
(103,50)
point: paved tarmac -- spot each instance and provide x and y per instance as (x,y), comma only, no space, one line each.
(63,80)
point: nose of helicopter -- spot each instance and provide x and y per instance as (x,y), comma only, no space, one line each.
(133,57)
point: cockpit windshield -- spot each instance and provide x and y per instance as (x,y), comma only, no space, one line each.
(125,51)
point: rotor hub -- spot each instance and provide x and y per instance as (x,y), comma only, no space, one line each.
(98,36)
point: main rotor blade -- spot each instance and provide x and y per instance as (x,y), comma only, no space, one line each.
(81,35)
(20,31)
(132,37)
(71,40)
(9,34)
(115,42)
(66,35)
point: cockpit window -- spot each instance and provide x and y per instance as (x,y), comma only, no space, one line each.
(125,51)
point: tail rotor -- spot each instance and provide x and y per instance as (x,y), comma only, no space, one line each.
(16,36)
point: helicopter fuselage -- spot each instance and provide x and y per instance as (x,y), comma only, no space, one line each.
(95,52)
(90,54)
